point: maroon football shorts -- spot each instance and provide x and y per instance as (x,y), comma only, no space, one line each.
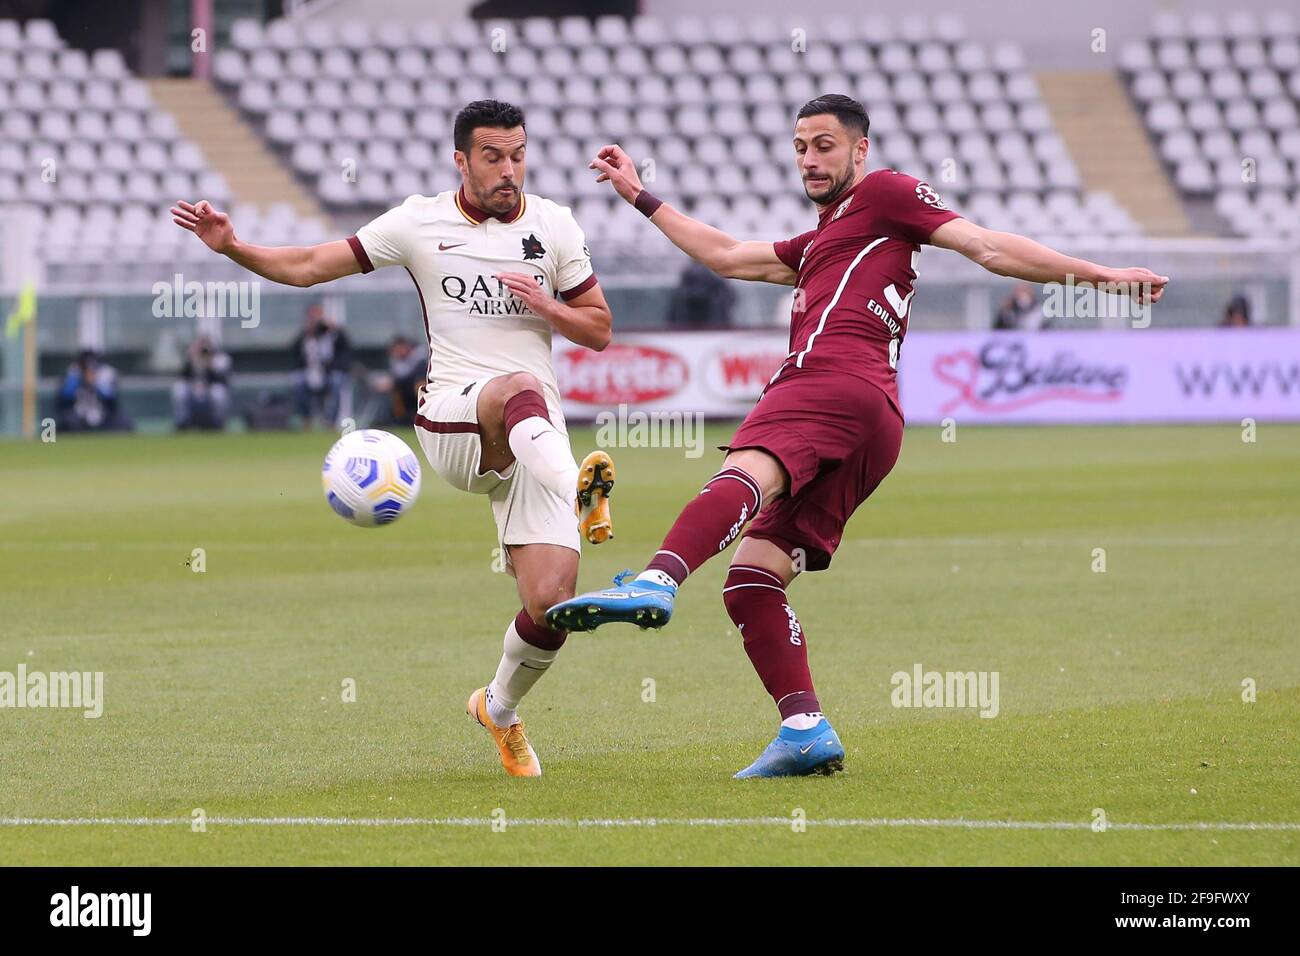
(837,437)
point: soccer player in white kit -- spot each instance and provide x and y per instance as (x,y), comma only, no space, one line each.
(497,271)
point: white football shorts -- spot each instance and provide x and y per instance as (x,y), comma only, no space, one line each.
(525,511)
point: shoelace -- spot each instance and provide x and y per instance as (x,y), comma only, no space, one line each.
(517,742)
(622,576)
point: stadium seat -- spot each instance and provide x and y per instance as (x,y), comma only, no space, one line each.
(1219,93)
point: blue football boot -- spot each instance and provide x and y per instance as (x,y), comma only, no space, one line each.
(644,603)
(797,753)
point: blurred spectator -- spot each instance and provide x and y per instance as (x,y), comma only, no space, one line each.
(701,300)
(401,383)
(201,396)
(322,352)
(88,399)
(1019,310)
(1237,313)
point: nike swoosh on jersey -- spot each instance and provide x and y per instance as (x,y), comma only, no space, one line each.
(443,247)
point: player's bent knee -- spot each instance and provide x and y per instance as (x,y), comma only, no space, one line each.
(763,467)
(748,586)
(536,606)
(517,382)
(496,394)
(733,602)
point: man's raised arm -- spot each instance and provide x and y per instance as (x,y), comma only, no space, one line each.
(291,265)
(1009,254)
(729,257)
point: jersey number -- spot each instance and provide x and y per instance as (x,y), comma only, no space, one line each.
(900,304)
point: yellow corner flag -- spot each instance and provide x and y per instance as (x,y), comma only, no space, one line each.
(24,311)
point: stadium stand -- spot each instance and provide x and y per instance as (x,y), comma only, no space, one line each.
(693,95)
(1219,95)
(83,143)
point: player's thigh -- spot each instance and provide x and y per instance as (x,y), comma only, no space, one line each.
(804,423)
(446,425)
(533,521)
(807,526)
(545,574)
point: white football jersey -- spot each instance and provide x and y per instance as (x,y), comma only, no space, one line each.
(453,251)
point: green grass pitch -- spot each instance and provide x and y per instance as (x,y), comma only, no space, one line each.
(1120,691)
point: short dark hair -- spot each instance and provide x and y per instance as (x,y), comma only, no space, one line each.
(851,114)
(483,113)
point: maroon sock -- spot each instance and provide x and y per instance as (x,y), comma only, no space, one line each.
(538,635)
(713,519)
(525,404)
(773,637)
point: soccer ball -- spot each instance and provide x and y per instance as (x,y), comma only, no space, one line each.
(370,477)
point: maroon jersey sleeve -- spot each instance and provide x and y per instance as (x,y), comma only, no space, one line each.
(908,208)
(790,251)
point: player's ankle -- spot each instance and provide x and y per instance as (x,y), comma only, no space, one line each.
(803,721)
(498,711)
(655,576)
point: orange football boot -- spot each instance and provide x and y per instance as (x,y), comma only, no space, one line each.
(517,754)
(595,484)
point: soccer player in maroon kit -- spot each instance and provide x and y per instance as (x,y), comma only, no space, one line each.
(828,426)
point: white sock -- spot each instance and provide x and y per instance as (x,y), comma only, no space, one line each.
(499,714)
(522,665)
(802,721)
(658,577)
(541,448)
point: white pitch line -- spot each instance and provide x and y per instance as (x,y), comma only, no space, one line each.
(958,542)
(637,822)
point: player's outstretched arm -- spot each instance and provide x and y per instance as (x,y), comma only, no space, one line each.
(729,257)
(1008,254)
(291,265)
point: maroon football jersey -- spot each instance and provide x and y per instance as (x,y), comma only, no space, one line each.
(856,271)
